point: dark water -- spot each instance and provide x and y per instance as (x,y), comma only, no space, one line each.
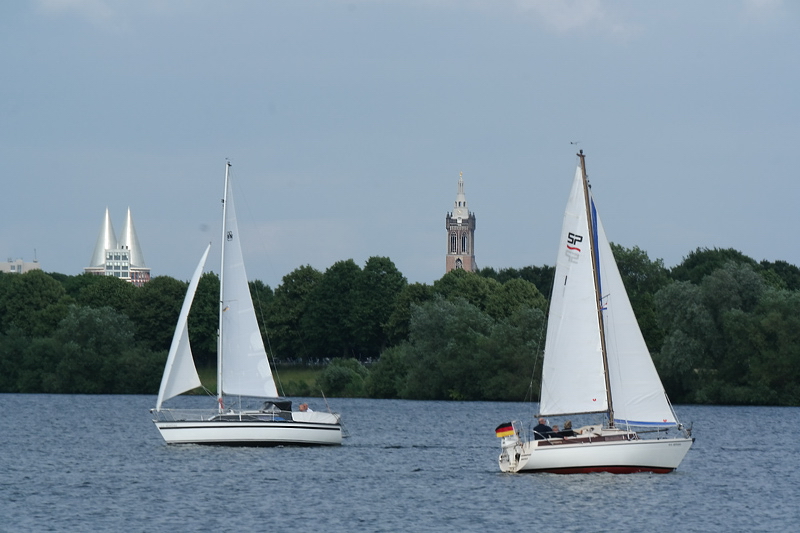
(97,463)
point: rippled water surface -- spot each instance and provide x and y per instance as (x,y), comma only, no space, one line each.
(97,463)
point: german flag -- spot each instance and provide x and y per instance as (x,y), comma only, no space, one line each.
(504,430)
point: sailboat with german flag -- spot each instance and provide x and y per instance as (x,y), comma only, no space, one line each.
(595,363)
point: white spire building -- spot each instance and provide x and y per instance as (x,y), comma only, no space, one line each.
(120,258)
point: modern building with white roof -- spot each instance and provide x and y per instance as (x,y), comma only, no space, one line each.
(121,258)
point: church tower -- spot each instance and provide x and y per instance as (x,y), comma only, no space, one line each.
(460,225)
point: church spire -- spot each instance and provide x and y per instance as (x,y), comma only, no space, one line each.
(460,205)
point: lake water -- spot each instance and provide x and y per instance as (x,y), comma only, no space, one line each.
(97,463)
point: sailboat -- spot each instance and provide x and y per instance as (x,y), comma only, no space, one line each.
(243,371)
(595,362)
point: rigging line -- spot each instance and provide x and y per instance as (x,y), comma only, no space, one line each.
(270,352)
(542,335)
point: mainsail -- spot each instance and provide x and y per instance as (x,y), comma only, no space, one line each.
(572,374)
(245,368)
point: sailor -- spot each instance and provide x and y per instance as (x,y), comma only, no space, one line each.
(542,430)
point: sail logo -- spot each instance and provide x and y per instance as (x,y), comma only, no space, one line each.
(230,235)
(573,252)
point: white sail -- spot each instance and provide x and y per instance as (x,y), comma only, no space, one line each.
(572,375)
(637,393)
(180,374)
(245,368)
(573,379)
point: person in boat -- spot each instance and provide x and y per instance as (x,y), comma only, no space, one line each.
(555,434)
(304,408)
(567,431)
(542,430)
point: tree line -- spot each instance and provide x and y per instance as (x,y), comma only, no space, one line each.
(720,326)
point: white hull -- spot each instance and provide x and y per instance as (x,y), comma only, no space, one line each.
(626,454)
(249,433)
(249,428)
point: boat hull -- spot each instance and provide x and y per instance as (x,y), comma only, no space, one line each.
(249,433)
(567,456)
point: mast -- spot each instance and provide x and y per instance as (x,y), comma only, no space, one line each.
(591,219)
(222,285)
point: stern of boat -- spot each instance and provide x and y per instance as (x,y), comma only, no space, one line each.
(512,454)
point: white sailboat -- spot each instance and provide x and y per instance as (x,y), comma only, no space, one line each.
(243,370)
(595,361)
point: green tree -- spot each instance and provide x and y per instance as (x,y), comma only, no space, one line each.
(771,342)
(91,341)
(33,302)
(513,295)
(262,296)
(541,276)
(375,296)
(328,325)
(448,340)
(74,284)
(703,261)
(135,370)
(473,288)
(204,320)
(13,345)
(155,311)
(397,326)
(789,275)
(106,291)
(735,286)
(388,376)
(345,378)
(455,351)
(702,358)
(643,278)
(512,372)
(38,367)
(684,361)
(286,312)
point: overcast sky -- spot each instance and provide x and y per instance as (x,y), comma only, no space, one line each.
(348,122)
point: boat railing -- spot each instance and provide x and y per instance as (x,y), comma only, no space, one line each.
(181,415)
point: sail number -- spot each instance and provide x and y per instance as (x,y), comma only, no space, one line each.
(573,252)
